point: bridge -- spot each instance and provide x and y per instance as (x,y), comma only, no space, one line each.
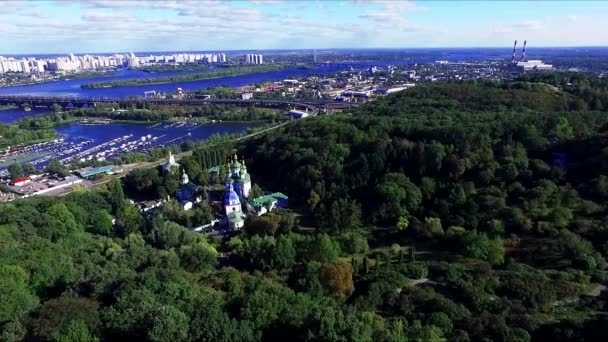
(347,65)
(87,102)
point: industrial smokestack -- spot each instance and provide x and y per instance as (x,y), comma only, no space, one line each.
(513,57)
(523,53)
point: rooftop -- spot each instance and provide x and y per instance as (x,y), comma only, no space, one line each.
(267,199)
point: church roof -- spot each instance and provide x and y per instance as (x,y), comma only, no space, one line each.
(231,196)
(279,195)
(243,178)
(267,199)
(235,165)
(190,187)
(235,217)
(168,165)
(263,200)
(244,175)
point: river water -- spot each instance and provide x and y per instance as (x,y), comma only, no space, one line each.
(9,116)
(86,140)
(72,87)
(92,141)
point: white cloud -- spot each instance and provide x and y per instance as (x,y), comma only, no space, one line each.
(184,24)
(390,15)
(396,5)
(37,13)
(107,16)
(530,25)
(265,2)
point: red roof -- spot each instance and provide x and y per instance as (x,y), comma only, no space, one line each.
(19,180)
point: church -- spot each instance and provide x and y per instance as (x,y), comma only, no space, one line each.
(237,194)
(170,166)
(188,193)
(238,174)
(238,186)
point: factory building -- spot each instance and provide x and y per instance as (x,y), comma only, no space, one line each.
(528,65)
(534,65)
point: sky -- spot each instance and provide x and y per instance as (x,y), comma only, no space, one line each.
(39,27)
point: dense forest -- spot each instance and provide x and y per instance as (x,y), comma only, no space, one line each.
(461,212)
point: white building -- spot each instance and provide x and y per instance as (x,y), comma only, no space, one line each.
(254,59)
(534,64)
(232,204)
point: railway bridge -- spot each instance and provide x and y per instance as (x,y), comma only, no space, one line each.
(87,102)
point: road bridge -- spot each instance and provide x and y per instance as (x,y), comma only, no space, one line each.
(346,65)
(84,102)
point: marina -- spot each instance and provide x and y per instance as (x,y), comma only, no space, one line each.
(106,141)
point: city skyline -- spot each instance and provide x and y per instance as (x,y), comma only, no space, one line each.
(92,26)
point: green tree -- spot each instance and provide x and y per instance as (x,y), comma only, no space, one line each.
(325,249)
(431,228)
(480,246)
(167,234)
(59,223)
(56,315)
(313,200)
(116,196)
(15,295)
(101,223)
(562,129)
(15,170)
(75,331)
(12,332)
(267,224)
(129,219)
(284,252)
(403,222)
(353,243)
(168,324)
(54,166)
(416,270)
(256,191)
(198,256)
(28,168)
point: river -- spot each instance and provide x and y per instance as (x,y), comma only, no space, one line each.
(87,141)
(72,87)
(9,116)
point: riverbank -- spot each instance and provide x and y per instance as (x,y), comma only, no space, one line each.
(7,107)
(227,72)
(50,79)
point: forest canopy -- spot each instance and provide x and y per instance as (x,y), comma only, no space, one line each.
(464,212)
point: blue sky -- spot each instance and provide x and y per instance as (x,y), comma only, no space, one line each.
(139,25)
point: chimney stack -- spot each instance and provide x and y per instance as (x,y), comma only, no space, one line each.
(523,53)
(513,57)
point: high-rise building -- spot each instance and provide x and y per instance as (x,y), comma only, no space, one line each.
(253,59)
